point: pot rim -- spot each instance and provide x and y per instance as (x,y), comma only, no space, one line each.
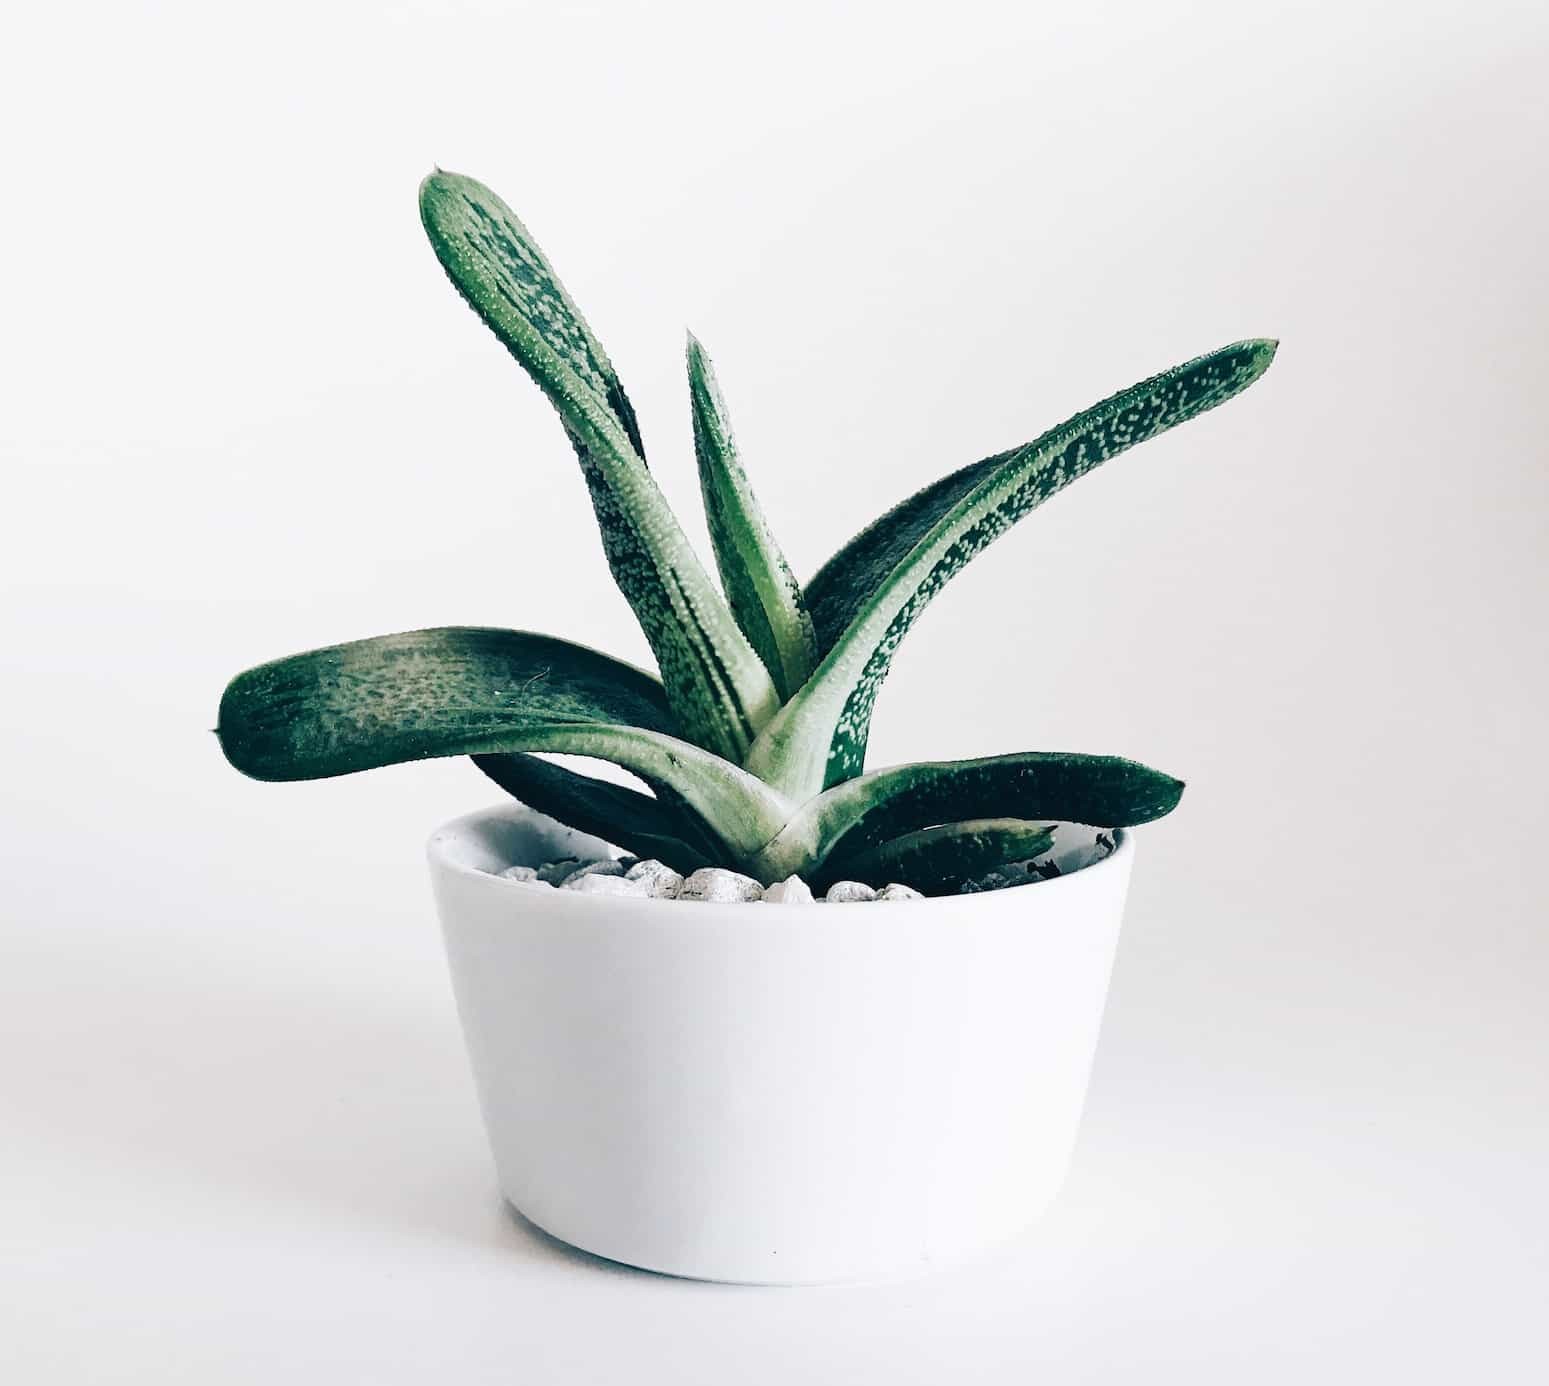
(441,850)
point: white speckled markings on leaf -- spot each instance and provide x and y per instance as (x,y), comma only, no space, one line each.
(718,685)
(727,774)
(764,594)
(819,736)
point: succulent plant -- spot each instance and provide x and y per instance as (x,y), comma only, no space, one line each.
(752,743)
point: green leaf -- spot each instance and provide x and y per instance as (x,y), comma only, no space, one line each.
(858,571)
(764,595)
(616,814)
(474,690)
(1103,791)
(936,860)
(374,702)
(718,687)
(880,583)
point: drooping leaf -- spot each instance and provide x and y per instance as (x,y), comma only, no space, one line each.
(474,690)
(717,684)
(1103,791)
(880,583)
(937,859)
(622,816)
(764,594)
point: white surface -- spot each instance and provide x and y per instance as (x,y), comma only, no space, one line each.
(769,1096)
(243,414)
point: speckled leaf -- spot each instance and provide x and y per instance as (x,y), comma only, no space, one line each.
(875,589)
(938,859)
(1103,791)
(764,594)
(719,688)
(613,812)
(474,690)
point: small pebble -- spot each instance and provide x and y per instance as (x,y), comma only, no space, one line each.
(711,884)
(791,891)
(1013,874)
(599,883)
(519,873)
(593,868)
(553,872)
(848,892)
(661,881)
(894,891)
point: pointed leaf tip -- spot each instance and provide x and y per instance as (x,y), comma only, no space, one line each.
(865,599)
(719,688)
(760,587)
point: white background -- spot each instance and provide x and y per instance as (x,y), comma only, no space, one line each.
(244,414)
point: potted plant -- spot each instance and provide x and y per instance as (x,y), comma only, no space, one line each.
(748,1086)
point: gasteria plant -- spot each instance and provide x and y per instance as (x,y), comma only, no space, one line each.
(753,741)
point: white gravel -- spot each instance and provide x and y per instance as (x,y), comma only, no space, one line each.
(711,884)
(660,880)
(1074,848)
(525,874)
(791,891)
(601,883)
(591,869)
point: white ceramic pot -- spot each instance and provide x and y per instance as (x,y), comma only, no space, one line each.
(773,1094)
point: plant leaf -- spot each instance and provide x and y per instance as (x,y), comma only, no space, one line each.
(857,572)
(718,687)
(1103,791)
(934,860)
(474,690)
(613,812)
(881,582)
(764,594)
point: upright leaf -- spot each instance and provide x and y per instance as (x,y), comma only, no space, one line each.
(719,689)
(764,595)
(472,691)
(819,737)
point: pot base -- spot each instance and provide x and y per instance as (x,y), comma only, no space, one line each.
(890,1275)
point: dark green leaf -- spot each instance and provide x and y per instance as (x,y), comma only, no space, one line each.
(1103,791)
(622,816)
(937,860)
(421,693)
